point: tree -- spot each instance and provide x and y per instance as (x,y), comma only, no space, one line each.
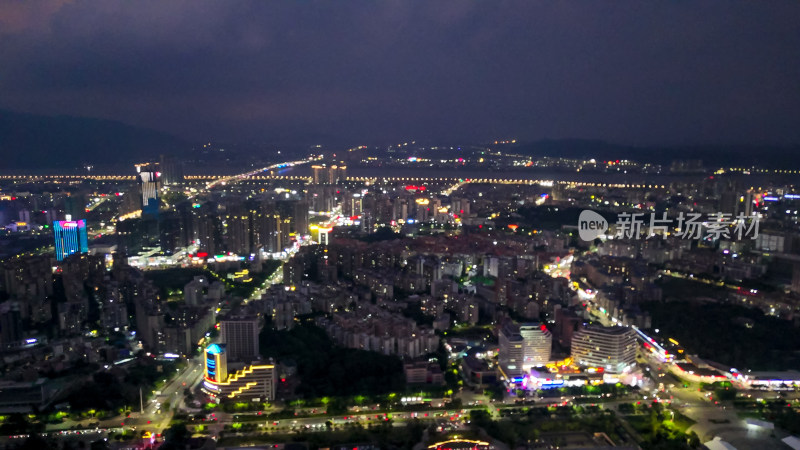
(102,444)
(725,394)
(176,437)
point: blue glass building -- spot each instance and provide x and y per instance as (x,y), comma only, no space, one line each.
(70,237)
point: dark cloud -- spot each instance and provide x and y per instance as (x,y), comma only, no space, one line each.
(625,71)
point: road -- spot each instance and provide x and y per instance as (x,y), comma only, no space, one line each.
(157,418)
(242,176)
(153,419)
(711,419)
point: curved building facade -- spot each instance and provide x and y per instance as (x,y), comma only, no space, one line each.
(256,382)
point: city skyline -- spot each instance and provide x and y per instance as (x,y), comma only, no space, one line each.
(399,225)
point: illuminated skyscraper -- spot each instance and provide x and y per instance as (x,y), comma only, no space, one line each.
(70,237)
(149,179)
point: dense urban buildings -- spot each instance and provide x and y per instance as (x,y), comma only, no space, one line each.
(265,289)
(383,225)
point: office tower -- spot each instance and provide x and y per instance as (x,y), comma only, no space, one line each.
(240,335)
(149,178)
(70,238)
(612,349)
(523,347)
(171,170)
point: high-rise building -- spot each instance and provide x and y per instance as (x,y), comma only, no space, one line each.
(300,217)
(239,229)
(172,232)
(10,323)
(271,232)
(285,232)
(511,354)
(319,175)
(612,349)
(207,228)
(75,205)
(149,178)
(538,343)
(240,335)
(171,170)
(70,238)
(325,174)
(523,347)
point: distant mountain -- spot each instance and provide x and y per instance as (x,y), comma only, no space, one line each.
(30,141)
(711,155)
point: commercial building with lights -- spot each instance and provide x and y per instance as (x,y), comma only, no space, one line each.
(70,238)
(612,349)
(523,347)
(256,382)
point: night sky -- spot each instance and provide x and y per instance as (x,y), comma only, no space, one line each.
(634,72)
